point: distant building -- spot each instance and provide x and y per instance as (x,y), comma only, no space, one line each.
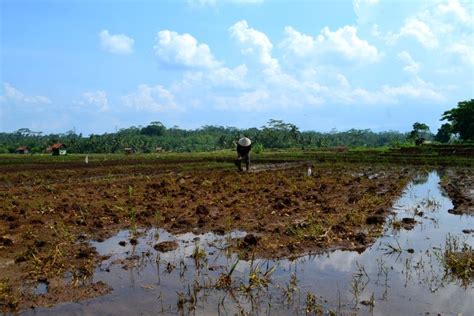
(159,149)
(57,149)
(129,150)
(23,150)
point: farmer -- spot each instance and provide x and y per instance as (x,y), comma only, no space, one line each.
(243,149)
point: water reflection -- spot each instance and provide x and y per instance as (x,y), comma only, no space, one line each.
(399,274)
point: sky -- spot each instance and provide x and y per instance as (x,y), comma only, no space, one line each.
(98,66)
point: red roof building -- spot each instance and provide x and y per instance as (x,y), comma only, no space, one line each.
(57,149)
(23,150)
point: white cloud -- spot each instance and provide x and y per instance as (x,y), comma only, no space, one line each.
(346,42)
(410,65)
(254,43)
(116,44)
(418,29)
(204,72)
(301,45)
(418,89)
(465,51)
(344,93)
(149,98)
(247,101)
(455,8)
(216,77)
(343,41)
(232,77)
(421,31)
(95,98)
(13,95)
(184,50)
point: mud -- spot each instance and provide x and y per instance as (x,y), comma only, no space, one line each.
(459,185)
(49,215)
(404,272)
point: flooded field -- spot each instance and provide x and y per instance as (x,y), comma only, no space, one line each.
(402,272)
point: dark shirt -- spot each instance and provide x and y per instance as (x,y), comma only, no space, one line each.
(243,151)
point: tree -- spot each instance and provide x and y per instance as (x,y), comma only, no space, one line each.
(462,119)
(278,134)
(154,129)
(419,133)
(444,133)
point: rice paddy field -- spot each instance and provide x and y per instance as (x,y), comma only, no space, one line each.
(299,233)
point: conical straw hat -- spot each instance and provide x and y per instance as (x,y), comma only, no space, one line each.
(244,141)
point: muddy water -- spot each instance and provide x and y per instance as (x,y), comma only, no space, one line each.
(399,274)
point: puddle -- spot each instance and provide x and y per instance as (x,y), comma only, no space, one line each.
(41,288)
(399,274)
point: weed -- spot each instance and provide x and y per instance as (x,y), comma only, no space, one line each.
(158,219)
(383,270)
(229,223)
(258,278)
(310,229)
(258,148)
(130,191)
(291,288)
(311,306)
(8,299)
(225,279)
(458,260)
(396,224)
(186,300)
(198,254)
(49,188)
(370,302)
(360,279)
(371,200)
(391,249)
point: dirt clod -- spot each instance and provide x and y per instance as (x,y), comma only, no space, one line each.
(202,210)
(375,220)
(166,246)
(6,241)
(250,240)
(361,238)
(408,223)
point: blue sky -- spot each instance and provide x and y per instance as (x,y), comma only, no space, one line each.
(97,66)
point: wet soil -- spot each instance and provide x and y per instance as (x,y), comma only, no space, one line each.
(459,185)
(48,216)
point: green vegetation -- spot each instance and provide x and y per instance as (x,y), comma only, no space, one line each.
(419,133)
(444,133)
(461,264)
(461,121)
(458,260)
(156,137)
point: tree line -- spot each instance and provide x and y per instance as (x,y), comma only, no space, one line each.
(276,134)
